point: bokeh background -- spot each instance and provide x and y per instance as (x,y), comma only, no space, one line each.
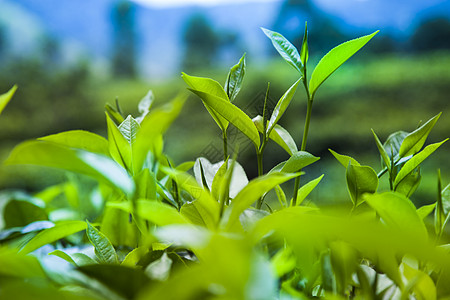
(69,58)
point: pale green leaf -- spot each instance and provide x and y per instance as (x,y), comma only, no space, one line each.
(129,129)
(5,98)
(18,265)
(425,210)
(281,106)
(304,52)
(285,49)
(235,78)
(414,141)
(298,161)
(306,189)
(119,148)
(144,105)
(415,161)
(233,114)
(334,59)
(80,139)
(210,87)
(103,248)
(344,159)
(423,286)
(63,255)
(393,143)
(50,235)
(382,151)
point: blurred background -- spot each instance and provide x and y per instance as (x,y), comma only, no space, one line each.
(70,58)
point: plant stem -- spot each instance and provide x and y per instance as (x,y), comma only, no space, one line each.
(225,145)
(305,136)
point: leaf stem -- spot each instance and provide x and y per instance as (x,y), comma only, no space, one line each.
(305,135)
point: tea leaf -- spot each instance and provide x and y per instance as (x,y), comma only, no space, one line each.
(398,213)
(129,128)
(209,87)
(360,180)
(48,154)
(306,189)
(63,255)
(382,151)
(298,161)
(144,105)
(393,143)
(410,183)
(304,52)
(334,59)
(279,135)
(18,265)
(344,159)
(119,148)
(50,235)
(80,139)
(232,114)
(18,213)
(415,161)
(425,210)
(5,98)
(120,226)
(235,78)
(114,114)
(253,191)
(286,49)
(281,106)
(103,248)
(422,284)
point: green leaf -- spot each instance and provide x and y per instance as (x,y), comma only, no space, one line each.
(279,135)
(210,87)
(344,159)
(153,126)
(118,226)
(104,250)
(154,211)
(360,180)
(285,49)
(18,265)
(306,189)
(281,106)
(114,114)
(235,78)
(43,153)
(382,151)
(50,235)
(423,286)
(304,52)
(253,191)
(415,161)
(425,210)
(80,139)
(125,281)
(145,185)
(233,114)
(218,181)
(18,213)
(298,161)
(119,148)
(334,59)
(63,255)
(5,98)
(393,143)
(194,213)
(410,183)
(144,105)
(399,213)
(414,141)
(129,129)
(344,262)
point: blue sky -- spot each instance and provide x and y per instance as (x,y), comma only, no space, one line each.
(177,3)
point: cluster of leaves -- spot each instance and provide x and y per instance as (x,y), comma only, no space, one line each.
(153,230)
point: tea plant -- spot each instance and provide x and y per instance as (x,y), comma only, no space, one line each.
(155,231)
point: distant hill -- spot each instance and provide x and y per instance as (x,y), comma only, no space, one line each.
(85,29)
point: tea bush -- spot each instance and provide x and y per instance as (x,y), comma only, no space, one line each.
(143,227)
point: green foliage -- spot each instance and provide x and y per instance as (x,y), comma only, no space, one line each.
(164,231)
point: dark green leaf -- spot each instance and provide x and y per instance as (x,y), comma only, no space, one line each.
(104,250)
(382,151)
(235,78)
(286,49)
(18,213)
(114,114)
(334,59)
(414,141)
(18,265)
(360,180)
